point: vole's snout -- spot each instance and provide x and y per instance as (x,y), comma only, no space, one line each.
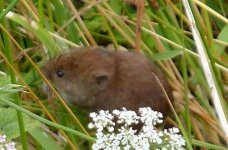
(46,91)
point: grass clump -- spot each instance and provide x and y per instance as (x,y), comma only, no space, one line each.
(34,31)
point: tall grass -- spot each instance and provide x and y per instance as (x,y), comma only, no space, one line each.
(31,32)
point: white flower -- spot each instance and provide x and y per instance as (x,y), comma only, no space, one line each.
(151,134)
(2,138)
(175,140)
(126,138)
(101,120)
(150,117)
(110,129)
(4,145)
(116,112)
(127,117)
(107,142)
(93,115)
(10,146)
(90,125)
(127,134)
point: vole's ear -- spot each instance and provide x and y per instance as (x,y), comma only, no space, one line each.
(101,79)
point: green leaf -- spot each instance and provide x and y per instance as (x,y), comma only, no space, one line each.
(46,141)
(41,33)
(219,50)
(117,6)
(7,89)
(166,55)
(9,124)
(96,24)
(9,7)
(223,36)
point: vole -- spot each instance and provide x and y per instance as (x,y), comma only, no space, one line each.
(99,79)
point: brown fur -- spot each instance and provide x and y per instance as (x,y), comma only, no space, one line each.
(96,78)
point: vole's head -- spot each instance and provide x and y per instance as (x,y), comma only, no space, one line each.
(79,74)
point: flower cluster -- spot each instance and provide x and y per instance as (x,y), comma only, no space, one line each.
(4,145)
(125,137)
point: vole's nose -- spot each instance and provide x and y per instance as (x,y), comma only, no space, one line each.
(47,91)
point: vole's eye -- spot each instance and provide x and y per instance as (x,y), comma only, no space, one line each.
(59,73)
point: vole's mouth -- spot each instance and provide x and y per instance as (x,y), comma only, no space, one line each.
(45,88)
(50,94)
(47,91)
